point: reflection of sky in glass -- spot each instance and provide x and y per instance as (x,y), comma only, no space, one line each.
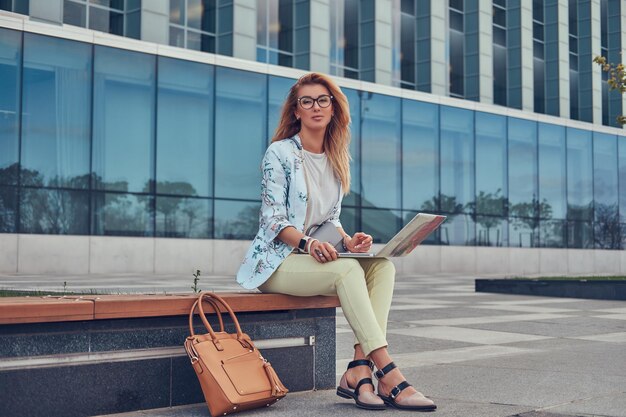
(622,176)
(240,127)
(123,118)
(10,51)
(184,217)
(458,230)
(420,153)
(381,224)
(457,155)
(380,151)
(56,123)
(491,159)
(552,170)
(579,170)
(277,93)
(552,233)
(355,145)
(185,127)
(522,162)
(605,169)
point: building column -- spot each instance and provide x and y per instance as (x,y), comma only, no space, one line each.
(244,29)
(384,42)
(485,46)
(49,11)
(320,36)
(564,59)
(155,21)
(528,87)
(439,71)
(596,74)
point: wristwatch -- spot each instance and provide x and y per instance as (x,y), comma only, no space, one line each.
(302,244)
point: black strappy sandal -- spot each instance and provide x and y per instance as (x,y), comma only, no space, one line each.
(390,399)
(344,390)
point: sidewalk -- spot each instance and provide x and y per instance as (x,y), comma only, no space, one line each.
(475,354)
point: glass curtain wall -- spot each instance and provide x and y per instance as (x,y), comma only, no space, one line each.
(551,57)
(499,53)
(581,90)
(539,63)
(463,49)
(344,38)
(411,44)
(15,6)
(610,23)
(119,17)
(115,142)
(283,32)
(202,25)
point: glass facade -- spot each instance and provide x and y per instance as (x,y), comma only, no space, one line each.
(15,6)
(115,142)
(202,25)
(345,34)
(119,17)
(463,49)
(411,44)
(283,32)
(611,44)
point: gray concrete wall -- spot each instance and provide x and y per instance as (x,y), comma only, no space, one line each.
(564,58)
(528,88)
(485,40)
(320,36)
(244,29)
(45,254)
(384,42)
(596,77)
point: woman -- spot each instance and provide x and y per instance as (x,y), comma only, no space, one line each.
(306,172)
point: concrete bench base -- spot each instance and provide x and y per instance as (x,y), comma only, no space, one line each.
(93,367)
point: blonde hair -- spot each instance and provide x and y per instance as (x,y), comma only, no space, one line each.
(337,137)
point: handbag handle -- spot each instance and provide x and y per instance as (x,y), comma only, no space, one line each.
(214,299)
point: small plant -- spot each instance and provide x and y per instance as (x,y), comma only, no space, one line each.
(64,287)
(196,278)
(616,79)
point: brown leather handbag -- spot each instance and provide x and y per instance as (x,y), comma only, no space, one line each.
(233,374)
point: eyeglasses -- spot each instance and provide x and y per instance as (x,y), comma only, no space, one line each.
(323,101)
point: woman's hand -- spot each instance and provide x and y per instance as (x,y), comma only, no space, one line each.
(360,242)
(322,252)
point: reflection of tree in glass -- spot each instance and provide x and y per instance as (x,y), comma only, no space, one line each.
(244,226)
(177,214)
(54,211)
(443,204)
(608,231)
(491,204)
(525,216)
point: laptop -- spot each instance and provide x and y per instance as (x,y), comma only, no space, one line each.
(403,243)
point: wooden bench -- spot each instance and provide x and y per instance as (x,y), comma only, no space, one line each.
(102,354)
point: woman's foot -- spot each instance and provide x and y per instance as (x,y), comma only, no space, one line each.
(356,383)
(394,389)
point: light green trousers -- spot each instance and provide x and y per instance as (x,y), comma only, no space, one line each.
(364,287)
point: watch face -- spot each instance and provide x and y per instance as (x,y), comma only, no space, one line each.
(302,244)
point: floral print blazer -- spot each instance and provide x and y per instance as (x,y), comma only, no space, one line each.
(283,203)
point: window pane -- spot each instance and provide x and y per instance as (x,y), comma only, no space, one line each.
(177,12)
(524,232)
(458,230)
(553,233)
(106,21)
(381,224)
(420,155)
(56,124)
(55,212)
(241,96)
(10,59)
(579,175)
(522,168)
(579,235)
(278,91)
(491,170)
(607,228)
(236,219)
(491,231)
(354,100)
(185,128)
(380,151)
(116,214)
(457,161)
(184,217)
(552,172)
(123,148)
(74,14)
(8,209)
(349,220)
(177,37)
